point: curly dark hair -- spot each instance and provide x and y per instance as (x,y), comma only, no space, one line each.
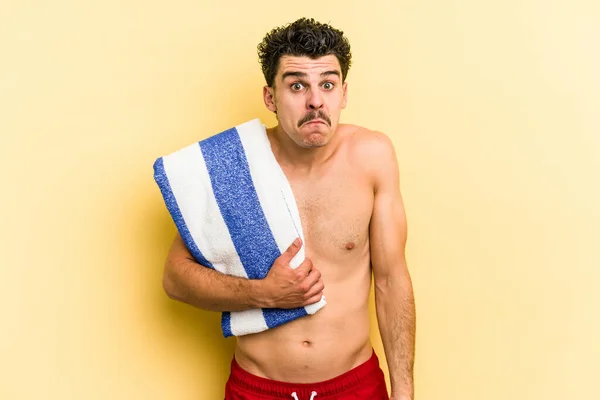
(303,37)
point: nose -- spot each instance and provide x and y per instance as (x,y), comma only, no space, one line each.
(315,100)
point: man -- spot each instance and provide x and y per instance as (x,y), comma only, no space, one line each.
(345,181)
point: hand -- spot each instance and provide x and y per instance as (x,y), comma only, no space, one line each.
(285,287)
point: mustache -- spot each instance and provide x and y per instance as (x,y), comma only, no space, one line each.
(314,115)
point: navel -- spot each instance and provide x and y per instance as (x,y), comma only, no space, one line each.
(306,343)
(350,245)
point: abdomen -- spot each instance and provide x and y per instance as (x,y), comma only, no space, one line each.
(320,346)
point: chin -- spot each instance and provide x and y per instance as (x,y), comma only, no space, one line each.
(315,140)
(317,136)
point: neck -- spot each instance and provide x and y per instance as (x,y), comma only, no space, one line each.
(290,154)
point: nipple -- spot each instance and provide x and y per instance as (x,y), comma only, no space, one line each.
(350,245)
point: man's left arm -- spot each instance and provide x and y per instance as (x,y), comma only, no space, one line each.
(394,298)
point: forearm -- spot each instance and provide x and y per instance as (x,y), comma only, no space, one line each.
(211,290)
(396,318)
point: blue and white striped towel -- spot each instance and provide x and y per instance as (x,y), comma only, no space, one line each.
(236,212)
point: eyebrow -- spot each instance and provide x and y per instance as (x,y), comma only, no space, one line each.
(304,74)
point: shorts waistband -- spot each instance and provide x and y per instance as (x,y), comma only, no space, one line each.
(341,383)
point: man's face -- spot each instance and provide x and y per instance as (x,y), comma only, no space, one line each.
(308,96)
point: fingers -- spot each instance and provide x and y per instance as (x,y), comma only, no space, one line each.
(304,269)
(314,299)
(302,284)
(311,279)
(291,251)
(313,286)
(315,291)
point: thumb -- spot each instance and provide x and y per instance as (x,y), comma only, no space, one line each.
(291,251)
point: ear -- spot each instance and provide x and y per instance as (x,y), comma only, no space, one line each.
(269,98)
(345,94)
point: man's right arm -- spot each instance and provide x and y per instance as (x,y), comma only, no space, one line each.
(187,281)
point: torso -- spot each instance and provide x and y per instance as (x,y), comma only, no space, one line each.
(335,207)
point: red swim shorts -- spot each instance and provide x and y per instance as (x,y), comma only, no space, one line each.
(365,382)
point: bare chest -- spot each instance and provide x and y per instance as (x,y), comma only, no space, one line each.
(335,211)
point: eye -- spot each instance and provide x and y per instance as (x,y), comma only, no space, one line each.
(328,85)
(297,86)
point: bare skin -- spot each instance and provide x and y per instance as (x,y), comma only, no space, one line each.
(345,180)
(335,202)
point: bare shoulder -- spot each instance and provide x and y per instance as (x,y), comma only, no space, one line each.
(373,151)
(367,142)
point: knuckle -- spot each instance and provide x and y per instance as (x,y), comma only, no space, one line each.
(308,296)
(304,287)
(299,274)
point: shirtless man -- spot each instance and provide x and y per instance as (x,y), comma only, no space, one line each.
(345,180)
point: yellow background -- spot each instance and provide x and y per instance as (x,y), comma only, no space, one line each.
(493,107)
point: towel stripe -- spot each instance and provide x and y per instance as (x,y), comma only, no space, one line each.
(226,324)
(235,194)
(191,186)
(171,202)
(242,212)
(286,226)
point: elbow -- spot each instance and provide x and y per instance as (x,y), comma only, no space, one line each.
(382,285)
(392,281)
(383,278)
(169,282)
